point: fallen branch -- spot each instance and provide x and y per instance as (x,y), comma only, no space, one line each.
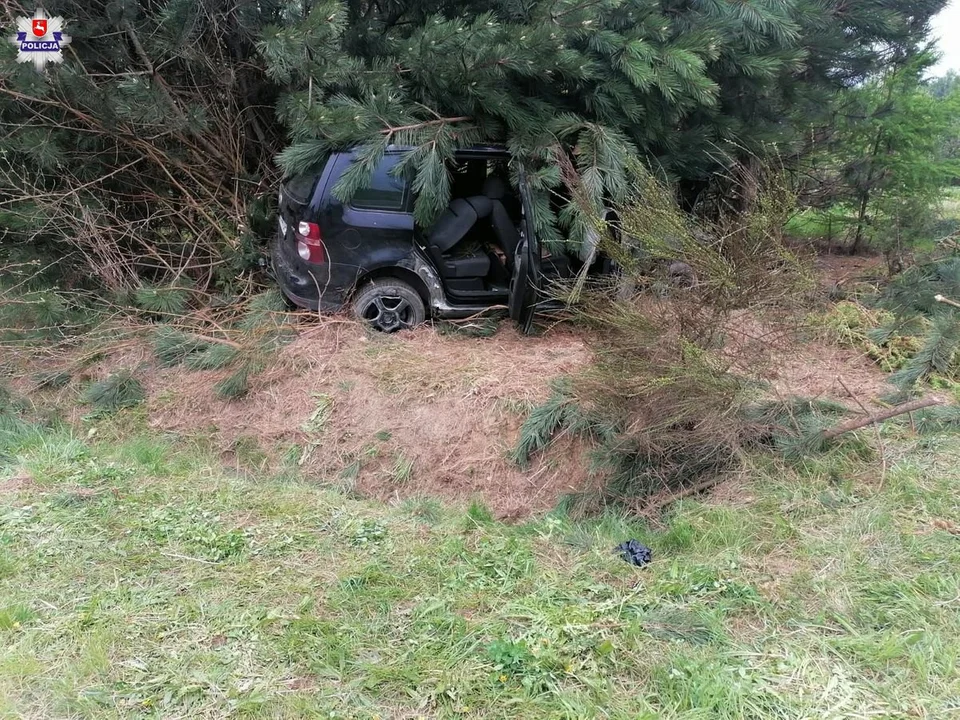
(656,503)
(883,455)
(946,301)
(858,423)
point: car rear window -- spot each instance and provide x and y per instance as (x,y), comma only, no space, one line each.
(299,187)
(385,192)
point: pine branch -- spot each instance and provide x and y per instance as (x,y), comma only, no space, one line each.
(391,131)
(151,69)
(858,423)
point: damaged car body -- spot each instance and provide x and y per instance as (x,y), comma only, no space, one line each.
(369,254)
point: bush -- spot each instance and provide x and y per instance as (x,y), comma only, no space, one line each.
(659,402)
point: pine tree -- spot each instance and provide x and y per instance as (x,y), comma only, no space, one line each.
(143,152)
(137,155)
(694,87)
(891,151)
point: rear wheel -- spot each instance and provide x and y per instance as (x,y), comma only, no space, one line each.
(389,305)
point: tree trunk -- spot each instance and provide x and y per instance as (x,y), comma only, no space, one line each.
(865,194)
(861,221)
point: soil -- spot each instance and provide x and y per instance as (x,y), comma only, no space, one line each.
(841,270)
(424,414)
(416,414)
(793,363)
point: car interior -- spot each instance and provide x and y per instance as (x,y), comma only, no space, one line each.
(474,241)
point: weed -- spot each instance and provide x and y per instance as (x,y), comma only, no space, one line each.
(479,514)
(365,532)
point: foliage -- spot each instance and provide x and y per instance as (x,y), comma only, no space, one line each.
(168,301)
(659,400)
(214,357)
(694,89)
(793,426)
(239,337)
(237,384)
(150,157)
(36,316)
(117,391)
(852,325)
(911,300)
(891,151)
(52,379)
(172,346)
(138,156)
(559,413)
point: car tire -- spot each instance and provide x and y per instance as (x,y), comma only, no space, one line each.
(389,305)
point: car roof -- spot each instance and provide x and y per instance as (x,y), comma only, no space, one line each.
(471,150)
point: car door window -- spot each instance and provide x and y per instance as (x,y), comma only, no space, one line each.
(386,192)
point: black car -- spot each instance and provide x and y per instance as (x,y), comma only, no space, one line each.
(482,252)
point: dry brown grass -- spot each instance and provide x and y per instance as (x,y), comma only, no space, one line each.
(447,405)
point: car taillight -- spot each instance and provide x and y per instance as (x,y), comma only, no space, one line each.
(309,230)
(310,243)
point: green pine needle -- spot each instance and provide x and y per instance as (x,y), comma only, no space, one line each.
(172,346)
(52,379)
(559,412)
(936,356)
(169,300)
(119,390)
(937,419)
(235,385)
(216,357)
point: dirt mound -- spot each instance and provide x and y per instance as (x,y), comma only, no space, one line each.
(395,416)
(427,414)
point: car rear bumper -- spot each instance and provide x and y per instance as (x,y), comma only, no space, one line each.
(315,287)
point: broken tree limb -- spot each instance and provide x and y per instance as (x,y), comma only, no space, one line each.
(858,423)
(946,301)
(659,501)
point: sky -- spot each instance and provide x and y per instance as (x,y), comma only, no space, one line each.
(946,27)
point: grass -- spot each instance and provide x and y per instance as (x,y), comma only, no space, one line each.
(139,579)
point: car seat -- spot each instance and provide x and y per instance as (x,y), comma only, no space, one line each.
(451,228)
(497,191)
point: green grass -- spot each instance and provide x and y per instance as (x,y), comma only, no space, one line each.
(139,579)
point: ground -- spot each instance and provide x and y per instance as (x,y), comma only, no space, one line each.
(139,578)
(429,414)
(350,541)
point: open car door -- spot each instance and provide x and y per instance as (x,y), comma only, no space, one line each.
(527,281)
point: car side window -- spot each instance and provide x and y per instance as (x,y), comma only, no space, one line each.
(386,192)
